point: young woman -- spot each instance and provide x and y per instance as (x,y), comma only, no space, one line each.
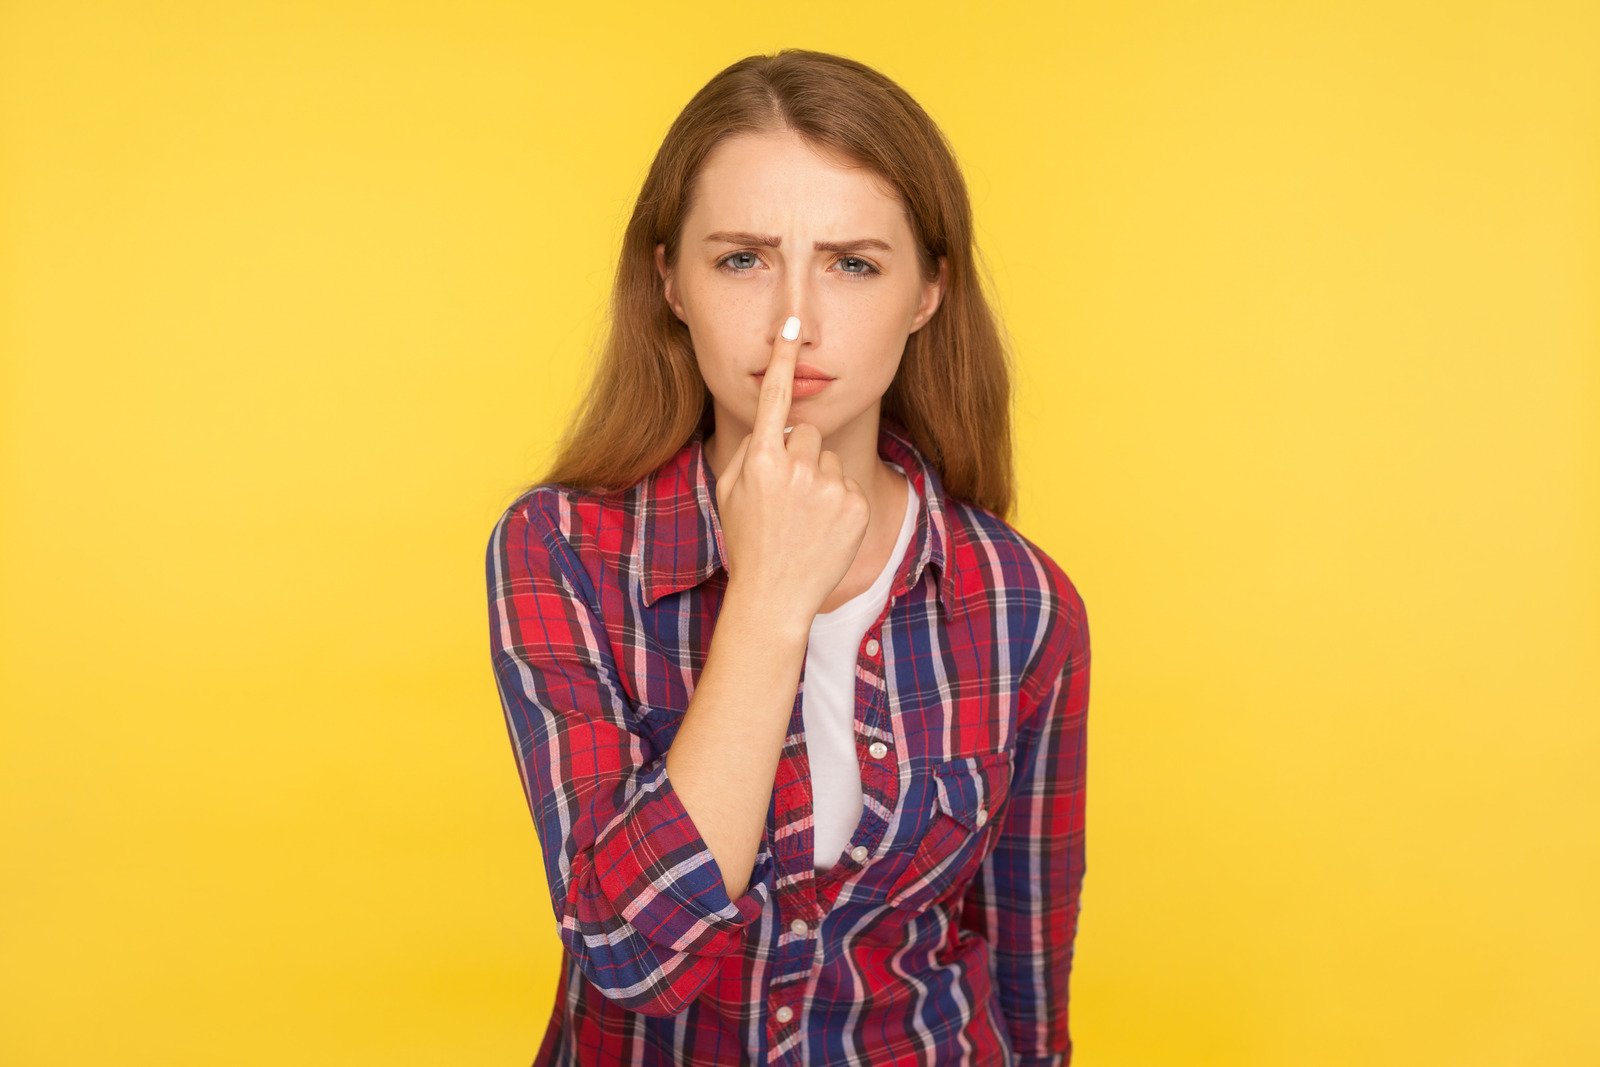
(799,716)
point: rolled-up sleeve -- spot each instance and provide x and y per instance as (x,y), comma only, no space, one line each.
(1025,898)
(638,896)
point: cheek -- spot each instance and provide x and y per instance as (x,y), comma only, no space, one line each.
(877,330)
(713,307)
(885,310)
(721,333)
(726,324)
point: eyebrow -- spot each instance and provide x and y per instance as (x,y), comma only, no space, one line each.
(761,240)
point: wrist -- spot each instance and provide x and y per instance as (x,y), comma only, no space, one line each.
(758,611)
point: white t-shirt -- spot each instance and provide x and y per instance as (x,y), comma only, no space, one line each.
(829,705)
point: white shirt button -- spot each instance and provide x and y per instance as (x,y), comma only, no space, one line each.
(858,853)
(983,816)
(799,927)
(872,647)
(785,1013)
(878,749)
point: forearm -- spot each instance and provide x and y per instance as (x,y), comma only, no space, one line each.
(724,758)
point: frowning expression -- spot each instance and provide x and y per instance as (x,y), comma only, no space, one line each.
(777,228)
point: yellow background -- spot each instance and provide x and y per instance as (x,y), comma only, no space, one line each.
(1304,296)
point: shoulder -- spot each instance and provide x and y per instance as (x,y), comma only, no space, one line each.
(575,515)
(999,560)
(554,518)
(1016,578)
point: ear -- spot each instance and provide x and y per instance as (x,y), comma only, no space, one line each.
(932,296)
(666,282)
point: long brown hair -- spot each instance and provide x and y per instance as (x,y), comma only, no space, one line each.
(952,392)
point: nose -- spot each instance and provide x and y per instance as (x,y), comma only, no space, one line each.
(798,296)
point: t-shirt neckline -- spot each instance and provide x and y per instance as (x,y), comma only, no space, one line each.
(850,608)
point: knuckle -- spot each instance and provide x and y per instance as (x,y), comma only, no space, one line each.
(767,459)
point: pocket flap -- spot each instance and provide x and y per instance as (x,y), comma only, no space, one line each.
(971,789)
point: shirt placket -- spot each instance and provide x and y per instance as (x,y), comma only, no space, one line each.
(804,897)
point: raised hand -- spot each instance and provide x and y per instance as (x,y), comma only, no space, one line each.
(792,521)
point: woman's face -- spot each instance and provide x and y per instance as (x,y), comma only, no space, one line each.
(748,259)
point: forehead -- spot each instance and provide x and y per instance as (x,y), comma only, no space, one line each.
(773,181)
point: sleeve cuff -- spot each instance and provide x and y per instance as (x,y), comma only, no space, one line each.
(654,864)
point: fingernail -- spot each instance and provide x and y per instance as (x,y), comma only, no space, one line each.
(791,328)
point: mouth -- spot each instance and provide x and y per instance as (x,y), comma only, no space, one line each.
(804,372)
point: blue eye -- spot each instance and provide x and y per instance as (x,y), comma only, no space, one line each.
(867,270)
(870,269)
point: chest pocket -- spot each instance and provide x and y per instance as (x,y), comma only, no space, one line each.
(969,799)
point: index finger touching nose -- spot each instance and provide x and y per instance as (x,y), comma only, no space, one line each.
(777,383)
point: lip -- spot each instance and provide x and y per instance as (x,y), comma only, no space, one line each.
(804,371)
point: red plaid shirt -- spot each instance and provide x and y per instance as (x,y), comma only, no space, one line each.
(949,941)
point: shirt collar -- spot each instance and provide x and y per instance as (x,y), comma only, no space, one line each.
(682,535)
